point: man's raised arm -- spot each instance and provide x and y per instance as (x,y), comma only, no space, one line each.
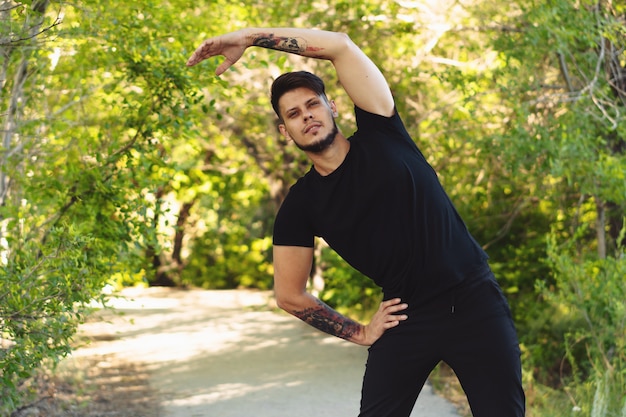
(360,77)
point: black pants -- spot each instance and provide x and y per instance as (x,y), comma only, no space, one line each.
(470,328)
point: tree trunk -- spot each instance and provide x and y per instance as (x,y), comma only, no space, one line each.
(183,216)
(317,282)
(12,115)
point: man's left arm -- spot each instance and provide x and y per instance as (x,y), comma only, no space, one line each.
(292,265)
(360,77)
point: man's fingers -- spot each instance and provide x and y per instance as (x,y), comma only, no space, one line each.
(201,53)
(194,59)
(399,317)
(393,305)
(223,66)
(388,308)
(391,301)
(393,321)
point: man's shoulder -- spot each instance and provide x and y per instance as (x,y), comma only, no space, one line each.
(370,122)
(360,114)
(377,133)
(299,188)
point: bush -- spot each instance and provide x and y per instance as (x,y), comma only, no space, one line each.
(46,292)
(346,289)
(591,291)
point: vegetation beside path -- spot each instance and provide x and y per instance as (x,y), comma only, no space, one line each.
(120,166)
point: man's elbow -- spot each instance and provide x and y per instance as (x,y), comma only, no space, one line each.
(283,302)
(286,301)
(345,41)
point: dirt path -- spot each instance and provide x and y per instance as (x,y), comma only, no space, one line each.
(226,354)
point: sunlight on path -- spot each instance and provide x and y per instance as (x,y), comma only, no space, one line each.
(225,354)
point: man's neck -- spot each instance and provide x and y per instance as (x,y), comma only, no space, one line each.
(327,162)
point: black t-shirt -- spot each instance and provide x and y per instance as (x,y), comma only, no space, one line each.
(384,211)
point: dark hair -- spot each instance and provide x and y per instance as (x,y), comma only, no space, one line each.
(292,80)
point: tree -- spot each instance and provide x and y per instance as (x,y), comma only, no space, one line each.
(68,168)
(567,64)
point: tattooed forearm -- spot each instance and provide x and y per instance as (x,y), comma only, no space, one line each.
(324,318)
(280,43)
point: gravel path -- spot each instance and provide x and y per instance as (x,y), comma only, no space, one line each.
(225,354)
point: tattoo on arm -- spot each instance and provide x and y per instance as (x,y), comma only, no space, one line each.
(323,318)
(280,43)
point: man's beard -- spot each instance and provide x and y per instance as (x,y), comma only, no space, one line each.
(322,144)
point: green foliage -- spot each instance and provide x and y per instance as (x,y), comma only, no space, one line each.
(121,165)
(71,215)
(232,244)
(565,142)
(591,292)
(346,289)
(46,292)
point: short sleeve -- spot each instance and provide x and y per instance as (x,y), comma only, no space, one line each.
(291,227)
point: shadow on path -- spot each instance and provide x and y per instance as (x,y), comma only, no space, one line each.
(226,354)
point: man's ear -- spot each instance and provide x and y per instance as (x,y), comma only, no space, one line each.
(333,108)
(283,131)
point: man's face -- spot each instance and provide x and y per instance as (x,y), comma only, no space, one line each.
(308,120)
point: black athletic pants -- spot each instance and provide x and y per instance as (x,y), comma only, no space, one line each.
(470,328)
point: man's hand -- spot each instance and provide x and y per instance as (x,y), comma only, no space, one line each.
(384,319)
(230,45)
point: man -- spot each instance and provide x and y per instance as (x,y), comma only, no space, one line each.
(378,203)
